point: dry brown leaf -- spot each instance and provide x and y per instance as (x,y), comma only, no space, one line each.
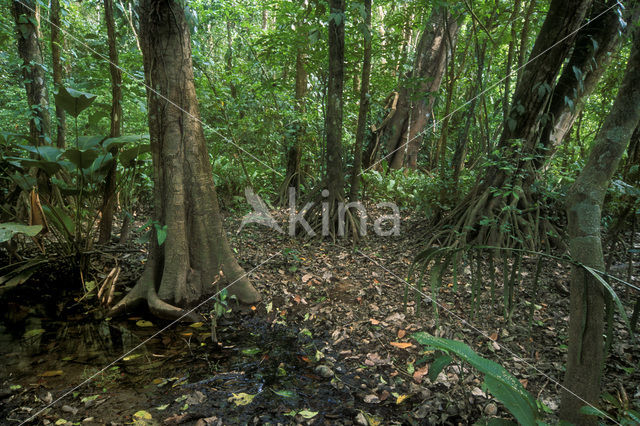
(420,373)
(401,345)
(494,336)
(36,216)
(401,334)
(374,321)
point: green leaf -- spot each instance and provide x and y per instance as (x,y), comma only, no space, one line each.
(59,219)
(285,393)
(161,233)
(82,159)
(88,142)
(122,140)
(592,411)
(9,229)
(47,153)
(49,167)
(502,384)
(73,101)
(613,294)
(129,155)
(436,367)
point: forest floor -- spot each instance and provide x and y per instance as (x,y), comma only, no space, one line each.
(330,343)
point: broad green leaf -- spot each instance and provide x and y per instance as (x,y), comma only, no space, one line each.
(592,411)
(59,219)
(24,181)
(122,140)
(613,294)
(49,167)
(502,384)
(438,365)
(82,159)
(129,155)
(45,152)
(73,101)
(88,142)
(9,229)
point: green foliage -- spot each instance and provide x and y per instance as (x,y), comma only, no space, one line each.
(497,380)
(625,412)
(9,229)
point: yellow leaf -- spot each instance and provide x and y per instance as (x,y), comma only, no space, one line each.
(61,422)
(131,357)
(196,325)
(400,399)
(52,373)
(241,398)
(401,345)
(142,415)
(144,323)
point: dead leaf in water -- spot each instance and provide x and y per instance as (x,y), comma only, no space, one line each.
(241,398)
(52,373)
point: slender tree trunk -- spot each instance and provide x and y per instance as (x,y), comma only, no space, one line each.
(591,55)
(334,181)
(56,43)
(584,206)
(108,197)
(27,34)
(354,189)
(510,55)
(189,262)
(402,135)
(293,177)
(524,38)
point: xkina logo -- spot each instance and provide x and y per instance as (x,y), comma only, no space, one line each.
(261,215)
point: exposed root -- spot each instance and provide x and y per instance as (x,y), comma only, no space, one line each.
(486,217)
(144,291)
(330,215)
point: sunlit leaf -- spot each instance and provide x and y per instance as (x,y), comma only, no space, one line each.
(73,101)
(241,398)
(144,323)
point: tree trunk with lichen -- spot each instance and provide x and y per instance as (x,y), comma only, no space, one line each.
(584,207)
(56,62)
(499,210)
(187,265)
(401,136)
(27,34)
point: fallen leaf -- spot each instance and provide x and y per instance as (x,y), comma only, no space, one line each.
(241,398)
(372,399)
(308,414)
(401,398)
(524,382)
(196,325)
(401,334)
(306,278)
(420,373)
(52,373)
(144,323)
(494,336)
(374,321)
(401,345)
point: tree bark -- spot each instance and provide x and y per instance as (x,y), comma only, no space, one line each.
(27,34)
(582,73)
(354,189)
(584,206)
(502,198)
(108,196)
(402,135)
(334,181)
(186,266)
(56,43)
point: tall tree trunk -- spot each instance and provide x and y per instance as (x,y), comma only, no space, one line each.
(334,180)
(591,55)
(27,34)
(108,196)
(293,177)
(354,189)
(56,43)
(401,135)
(512,206)
(184,268)
(510,55)
(584,206)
